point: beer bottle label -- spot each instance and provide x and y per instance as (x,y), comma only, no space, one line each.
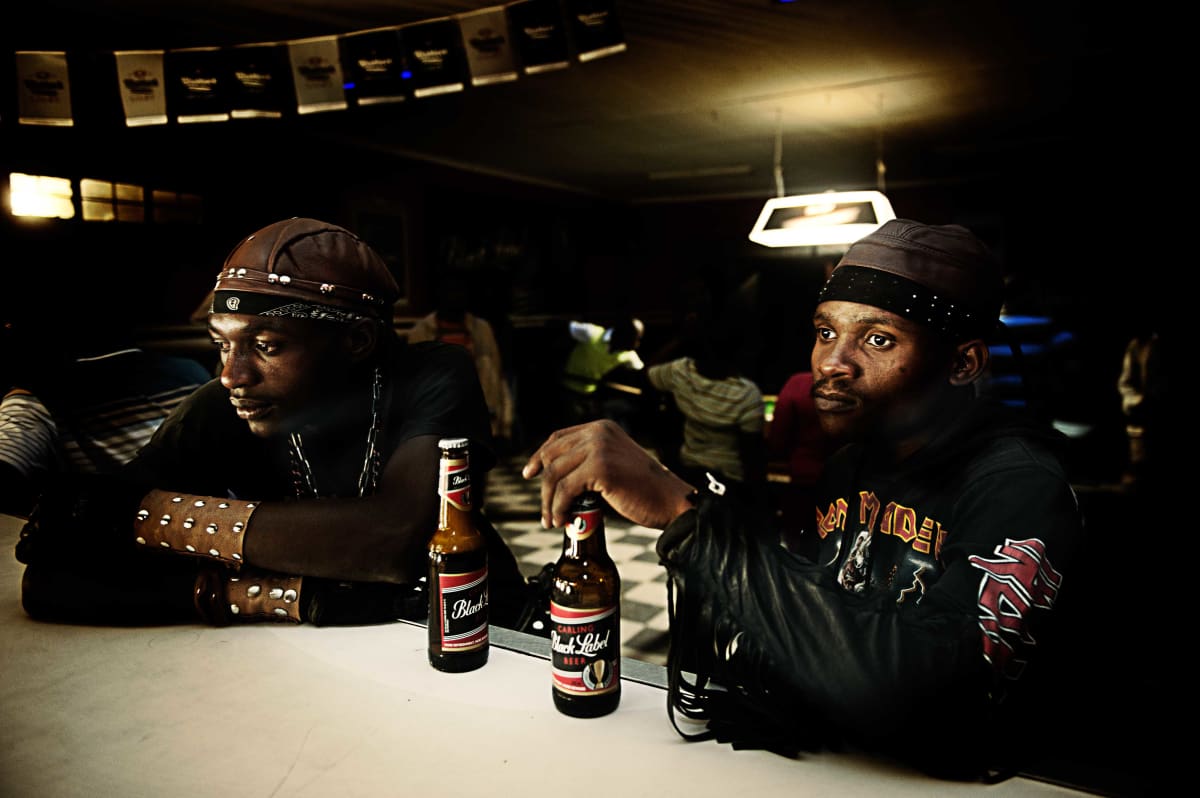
(585,649)
(584,524)
(454,484)
(464,615)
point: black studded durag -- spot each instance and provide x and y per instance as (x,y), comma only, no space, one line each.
(908,299)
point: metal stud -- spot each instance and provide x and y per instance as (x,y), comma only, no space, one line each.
(190,548)
(280,611)
(164,544)
(211,529)
(143,515)
(214,552)
(250,506)
(198,503)
(166,519)
(223,506)
(188,523)
(276,593)
(326,288)
(253,591)
(177,500)
(272,277)
(289,596)
(236,556)
(238,527)
(235,609)
(141,540)
(284,279)
(241,272)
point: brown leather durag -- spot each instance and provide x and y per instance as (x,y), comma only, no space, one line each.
(940,275)
(314,262)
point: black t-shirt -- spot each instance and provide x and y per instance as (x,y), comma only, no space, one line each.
(204,448)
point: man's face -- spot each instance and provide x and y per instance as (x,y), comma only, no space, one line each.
(277,370)
(875,374)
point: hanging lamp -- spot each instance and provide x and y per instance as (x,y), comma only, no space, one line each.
(830,218)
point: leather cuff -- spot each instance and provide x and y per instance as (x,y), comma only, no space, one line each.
(223,598)
(202,526)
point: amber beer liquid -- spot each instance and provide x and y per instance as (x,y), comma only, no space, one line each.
(458,570)
(585,617)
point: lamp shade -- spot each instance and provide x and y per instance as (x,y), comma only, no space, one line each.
(832,217)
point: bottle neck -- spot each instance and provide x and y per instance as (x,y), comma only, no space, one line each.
(454,490)
(583,538)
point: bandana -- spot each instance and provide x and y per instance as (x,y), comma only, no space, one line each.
(281,306)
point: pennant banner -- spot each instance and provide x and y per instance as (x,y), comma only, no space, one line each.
(196,85)
(541,40)
(376,71)
(327,73)
(259,77)
(44,89)
(435,55)
(486,40)
(595,29)
(143,86)
(317,75)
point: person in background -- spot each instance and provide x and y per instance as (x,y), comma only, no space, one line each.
(84,407)
(946,521)
(722,415)
(1142,385)
(794,437)
(301,485)
(600,353)
(453,323)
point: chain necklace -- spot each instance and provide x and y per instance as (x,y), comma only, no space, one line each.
(303,481)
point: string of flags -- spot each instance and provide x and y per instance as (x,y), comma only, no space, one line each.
(332,73)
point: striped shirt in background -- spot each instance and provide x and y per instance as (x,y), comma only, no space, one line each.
(715,413)
(103,411)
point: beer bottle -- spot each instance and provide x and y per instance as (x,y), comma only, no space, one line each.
(458,570)
(585,617)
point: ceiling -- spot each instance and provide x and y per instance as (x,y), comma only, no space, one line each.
(708,98)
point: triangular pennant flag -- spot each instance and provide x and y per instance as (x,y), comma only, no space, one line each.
(488,44)
(435,56)
(196,85)
(43,88)
(537,27)
(317,75)
(260,80)
(595,28)
(143,86)
(376,71)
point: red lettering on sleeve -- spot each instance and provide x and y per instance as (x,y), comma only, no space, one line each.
(1017,580)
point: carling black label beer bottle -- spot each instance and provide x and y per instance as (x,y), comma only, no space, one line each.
(585,617)
(458,570)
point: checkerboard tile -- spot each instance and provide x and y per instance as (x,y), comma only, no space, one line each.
(513,505)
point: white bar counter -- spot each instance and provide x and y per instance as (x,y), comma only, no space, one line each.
(269,710)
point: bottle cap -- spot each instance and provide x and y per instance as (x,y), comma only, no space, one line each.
(588,500)
(453,443)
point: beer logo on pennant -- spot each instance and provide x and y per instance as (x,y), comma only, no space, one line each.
(232,303)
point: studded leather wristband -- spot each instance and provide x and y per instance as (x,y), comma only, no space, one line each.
(222,597)
(202,526)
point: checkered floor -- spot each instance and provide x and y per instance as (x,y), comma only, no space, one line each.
(512,504)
